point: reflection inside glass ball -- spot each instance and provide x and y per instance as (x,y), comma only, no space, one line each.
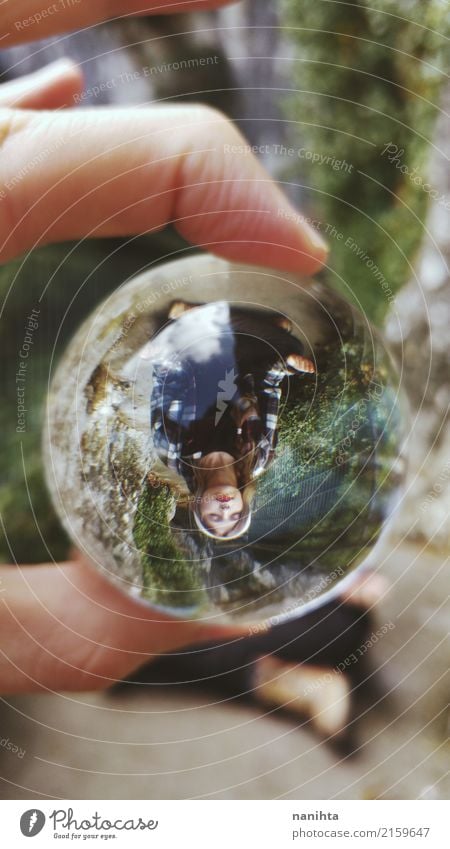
(234,456)
(220,373)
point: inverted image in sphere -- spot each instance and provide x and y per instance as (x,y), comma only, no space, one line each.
(225,441)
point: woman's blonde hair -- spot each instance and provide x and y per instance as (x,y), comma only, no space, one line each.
(246,487)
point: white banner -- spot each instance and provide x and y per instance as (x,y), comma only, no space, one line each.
(224,824)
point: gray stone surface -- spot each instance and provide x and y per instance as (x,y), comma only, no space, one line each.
(166,745)
(418,333)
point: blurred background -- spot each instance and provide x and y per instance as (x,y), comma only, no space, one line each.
(366,89)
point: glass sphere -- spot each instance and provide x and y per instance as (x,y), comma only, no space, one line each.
(225,441)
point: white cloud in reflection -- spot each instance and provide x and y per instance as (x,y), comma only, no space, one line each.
(201,333)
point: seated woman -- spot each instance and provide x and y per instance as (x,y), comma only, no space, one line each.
(218,372)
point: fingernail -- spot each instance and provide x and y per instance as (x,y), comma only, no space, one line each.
(316,239)
(57,67)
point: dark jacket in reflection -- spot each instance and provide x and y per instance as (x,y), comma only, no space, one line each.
(207,364)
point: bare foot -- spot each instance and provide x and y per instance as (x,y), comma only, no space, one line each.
(316,692)
(299,363)
(178,308)
(367,589)
(284,322)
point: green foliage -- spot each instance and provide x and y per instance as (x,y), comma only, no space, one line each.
(349,387)
(168,576)
(368,77)
(341,432)
(65,282)
(31,529)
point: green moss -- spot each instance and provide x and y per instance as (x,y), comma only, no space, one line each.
(368,77)
(168,576)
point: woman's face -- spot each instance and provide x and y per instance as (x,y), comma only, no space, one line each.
(221,508)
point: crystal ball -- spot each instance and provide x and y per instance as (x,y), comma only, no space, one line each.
(225,442)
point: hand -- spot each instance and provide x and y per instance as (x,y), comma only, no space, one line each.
(111,172)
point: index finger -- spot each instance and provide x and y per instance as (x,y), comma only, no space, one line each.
(25,20)
(117,172)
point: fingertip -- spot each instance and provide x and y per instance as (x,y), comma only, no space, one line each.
(306,239)
(292,256)
(61,66)
(316,260)
(318,244)
(62,81)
